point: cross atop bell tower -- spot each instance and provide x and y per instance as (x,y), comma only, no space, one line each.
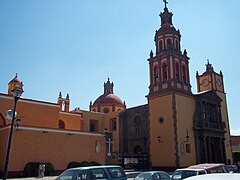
(165,2)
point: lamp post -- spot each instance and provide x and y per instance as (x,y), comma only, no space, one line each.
(17,92)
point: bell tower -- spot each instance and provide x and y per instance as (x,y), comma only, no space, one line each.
(210,80)
(171,102)
(213,81)
(169,67)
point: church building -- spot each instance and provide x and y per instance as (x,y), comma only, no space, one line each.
(175,128)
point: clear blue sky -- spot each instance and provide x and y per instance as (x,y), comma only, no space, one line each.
(73,46)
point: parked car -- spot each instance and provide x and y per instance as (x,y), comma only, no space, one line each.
(232,168)
(199,169)
(218,176)
(152,175)
(94,172)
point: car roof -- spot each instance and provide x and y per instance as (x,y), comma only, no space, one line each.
(153,172)
(189,169)
(95,167)
(216,176)
(205,166)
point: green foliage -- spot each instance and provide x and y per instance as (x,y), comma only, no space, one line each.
(31,169)
(82,164)
(49,169)
(73,164)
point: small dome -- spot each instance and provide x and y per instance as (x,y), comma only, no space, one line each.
(108,99)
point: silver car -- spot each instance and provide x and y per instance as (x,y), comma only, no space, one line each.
(94,172)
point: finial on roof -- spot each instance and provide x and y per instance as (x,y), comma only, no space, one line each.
(60,95)
(165,2)
(209,66)
(151,54)
(197,74)
(67,97)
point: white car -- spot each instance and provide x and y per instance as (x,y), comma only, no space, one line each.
(199,169)
(217,176)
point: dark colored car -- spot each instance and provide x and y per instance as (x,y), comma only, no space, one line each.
(152,175)
(232,168)
(93,172)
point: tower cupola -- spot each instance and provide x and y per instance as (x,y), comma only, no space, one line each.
(15,82)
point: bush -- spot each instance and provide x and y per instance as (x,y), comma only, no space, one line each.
(73,164)
(31,169)
(49,169)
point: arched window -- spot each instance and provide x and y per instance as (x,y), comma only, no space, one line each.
(164,70)
(177,72)
(106,110)
(169,42)
(176,45)
(155,75)
(184,74)
(160,45)
(61,124)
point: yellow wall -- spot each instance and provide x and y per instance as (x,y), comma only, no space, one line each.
(59,148)
(226,120)
(115,134)
(32,113)
(87,116)
(185,111)
(162,154)
(71,120)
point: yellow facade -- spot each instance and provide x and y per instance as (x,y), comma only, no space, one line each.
(162,153)
(185,112)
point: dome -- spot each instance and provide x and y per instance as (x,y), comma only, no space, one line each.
(108,99)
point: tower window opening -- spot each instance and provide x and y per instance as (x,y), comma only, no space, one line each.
(176,45)
(63,106)
(164,72)
(184,75)
(160,45)
(169,43)
(177,72)
(155,75)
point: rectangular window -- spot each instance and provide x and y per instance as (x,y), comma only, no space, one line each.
(113,124)
(93,127)
(188,148)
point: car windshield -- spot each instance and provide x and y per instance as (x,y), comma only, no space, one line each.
(144,176)
(183,174)
(68,175)
(116,172)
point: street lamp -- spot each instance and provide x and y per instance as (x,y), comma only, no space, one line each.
(17,92)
